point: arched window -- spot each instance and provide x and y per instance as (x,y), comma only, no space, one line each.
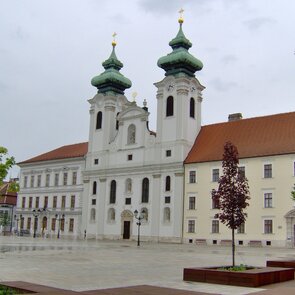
(92,214)
(131,134)
(192,108)
(94,188)
(99,120)
(117,122)
(145,214)
(168,184)
(145,191)
(128,184)
(111,214)
(169,106)
(166,214)
(113,192)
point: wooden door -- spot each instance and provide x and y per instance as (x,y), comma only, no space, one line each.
(126,232)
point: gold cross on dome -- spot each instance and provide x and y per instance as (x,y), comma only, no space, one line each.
(181,12)
(114,39)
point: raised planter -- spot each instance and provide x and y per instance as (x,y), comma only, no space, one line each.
(281,263)
(253,277)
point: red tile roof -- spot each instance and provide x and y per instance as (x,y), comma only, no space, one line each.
(254,137)
(67,151)
(7,198)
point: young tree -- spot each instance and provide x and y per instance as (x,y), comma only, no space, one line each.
(5,163)
(232,194)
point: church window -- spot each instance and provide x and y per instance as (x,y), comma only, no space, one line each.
(93,202)
(192,108)
(129,157)
(168,153)
(128,201)
(169,106)
(94,187)
(92,214)
(111,214)
(99,120)
(192,176)
(128,187)
(167,200)
(113,192)
(145,191)
(131,134)
(95,161)
(168,183)
(166,214)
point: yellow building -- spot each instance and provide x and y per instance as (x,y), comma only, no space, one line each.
(266,148)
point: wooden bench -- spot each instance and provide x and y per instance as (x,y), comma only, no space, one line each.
(226,242)
(255,243)
(201,241)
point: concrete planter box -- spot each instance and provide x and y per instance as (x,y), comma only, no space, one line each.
(253,277)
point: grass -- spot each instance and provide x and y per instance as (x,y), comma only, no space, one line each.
(240,267)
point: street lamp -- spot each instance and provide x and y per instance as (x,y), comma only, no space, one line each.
(139,217)
(59,217)
(35,214)
(17,218)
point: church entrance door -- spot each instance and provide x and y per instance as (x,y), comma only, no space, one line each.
(126,232)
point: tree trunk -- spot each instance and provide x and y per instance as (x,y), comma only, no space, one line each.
(233,245)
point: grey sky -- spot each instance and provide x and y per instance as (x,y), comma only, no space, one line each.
(50,50)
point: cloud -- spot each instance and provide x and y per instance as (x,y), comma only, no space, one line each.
(120,19)
(19,34)
(3,87)
(228,59)
(222,86)
(258,22)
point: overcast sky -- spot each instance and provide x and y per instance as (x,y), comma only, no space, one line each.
(50,50)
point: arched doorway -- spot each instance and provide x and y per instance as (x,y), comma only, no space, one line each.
(126,222)
(290,227)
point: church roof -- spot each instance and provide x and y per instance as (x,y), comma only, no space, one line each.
(254,137)
(67,151)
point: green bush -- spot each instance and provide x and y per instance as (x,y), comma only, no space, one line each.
(7,291)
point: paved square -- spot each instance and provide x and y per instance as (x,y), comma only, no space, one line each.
(88,265)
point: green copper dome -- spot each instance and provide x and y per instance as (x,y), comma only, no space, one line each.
(111,80)
(180,61)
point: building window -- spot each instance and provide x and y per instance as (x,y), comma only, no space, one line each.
(168,184)
(94,187)
(268,171)
(192,176)
(113,192)
(54,203)
(145,190)
(167,200)
(99,120)
(127,201)
(166,214)
(56,177)
(74,178)
(128,186)
(37,202)
(268,226)
(71,225)
(38,180)
(215,226)
(73,202)
(47,180)
(111,214)
(242,172)
(92,214)
(168,153)
(32,180)
(63,202)
(131,134)
(65,179)
(192,108)
(96,161)
(129,157)
(62,224)
(215,175)
(53,222)
(22,221)
(25,181)
(191,226)
(215,203)
(93,202)
(30,202)
(169,106)
(241,229)
(23,202)
(29,223)
(45,202)
(267,200)
(192,203)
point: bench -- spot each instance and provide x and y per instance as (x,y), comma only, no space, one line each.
(226,242)
(201,241)
(255,243)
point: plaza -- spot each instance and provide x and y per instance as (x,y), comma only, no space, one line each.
(81,265)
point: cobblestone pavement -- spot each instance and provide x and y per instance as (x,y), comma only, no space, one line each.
(88,264)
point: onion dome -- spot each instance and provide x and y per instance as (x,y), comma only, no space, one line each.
(111,80)
(180,61)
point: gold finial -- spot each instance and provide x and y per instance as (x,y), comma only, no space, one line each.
(134,94)
(114,43)
(180,20)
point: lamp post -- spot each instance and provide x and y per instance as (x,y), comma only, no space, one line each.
(59,217)
(17,218)
(139,217)
(35,214)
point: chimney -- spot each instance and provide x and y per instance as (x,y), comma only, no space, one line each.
(235,117)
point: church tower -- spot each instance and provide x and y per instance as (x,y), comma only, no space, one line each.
(105,106)
(179,98)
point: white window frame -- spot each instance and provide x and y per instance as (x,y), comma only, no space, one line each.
(189,176)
